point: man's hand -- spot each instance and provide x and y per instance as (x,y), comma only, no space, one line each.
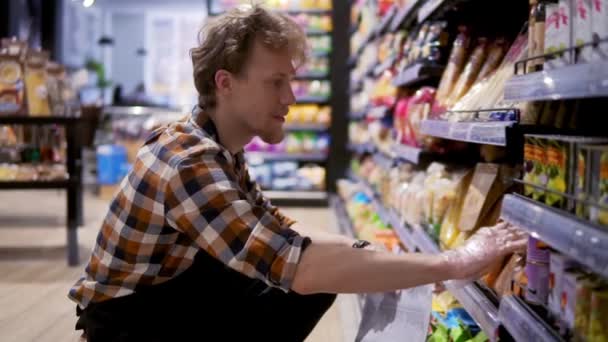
(483,249)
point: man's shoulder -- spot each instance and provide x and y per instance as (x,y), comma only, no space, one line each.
(179,141)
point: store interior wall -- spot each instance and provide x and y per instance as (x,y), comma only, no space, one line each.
(129,34)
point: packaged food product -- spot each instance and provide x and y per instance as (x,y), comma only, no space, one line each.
(557,33)
(580,189)
(598,320)
(470,72)
(539,34)
(582,308)
(569,300)
(556,172)
(487,186)
(496,53)
(418,109)
(582,29)
(533,166)
(531,36)
(449,228)
(56,88)
(557,267)
(599,28)
(503,284)
(537,290)
(12,90)
(455,65)
(537,251)
(599,184)
(35,83)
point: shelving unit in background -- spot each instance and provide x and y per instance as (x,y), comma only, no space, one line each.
(72,185)
(509,317)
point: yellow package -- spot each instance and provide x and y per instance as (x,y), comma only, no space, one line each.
(35,84)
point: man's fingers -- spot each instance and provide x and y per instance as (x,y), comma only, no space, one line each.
(516,245)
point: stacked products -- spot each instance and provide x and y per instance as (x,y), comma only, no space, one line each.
(308,114)
(311,89)
(31,84)
(294,142)
(287,175)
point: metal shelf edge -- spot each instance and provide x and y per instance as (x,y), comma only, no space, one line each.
(488,133)
(578,239)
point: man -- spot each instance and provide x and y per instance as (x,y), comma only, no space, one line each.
(189,231)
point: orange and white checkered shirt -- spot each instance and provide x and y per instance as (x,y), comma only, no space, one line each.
(186,193)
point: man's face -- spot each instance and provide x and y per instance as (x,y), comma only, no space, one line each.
(260,98)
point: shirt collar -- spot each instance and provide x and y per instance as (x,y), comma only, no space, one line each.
(202,121)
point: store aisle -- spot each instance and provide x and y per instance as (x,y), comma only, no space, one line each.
(35,276)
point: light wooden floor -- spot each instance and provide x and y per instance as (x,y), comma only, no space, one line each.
(35,278)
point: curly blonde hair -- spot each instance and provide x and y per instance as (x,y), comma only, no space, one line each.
(225,42)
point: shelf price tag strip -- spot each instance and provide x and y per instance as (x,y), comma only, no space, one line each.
(490,133)
(582,241)
(521,323)
(569,82)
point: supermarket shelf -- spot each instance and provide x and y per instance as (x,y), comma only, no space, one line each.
(416,73)
(312,100)
(358,115)
(317,33)
(569,82)
(320,53)
(312,76)
(345,225)
(479,306)
(402,231)
(428,8)
(522,323)
(404,15)
(423,241)
(362,148)
(407,153)
(378,112)
(35,120)
(490,133)
(28,185)
(583,241)
(290,12)
(306,127)
(279,156)
(383,160)
(386,65)
(386,21)
(297,198)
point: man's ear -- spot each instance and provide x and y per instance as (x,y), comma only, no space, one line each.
(223,81)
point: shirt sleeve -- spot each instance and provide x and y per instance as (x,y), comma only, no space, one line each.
(262,201)
(204,201)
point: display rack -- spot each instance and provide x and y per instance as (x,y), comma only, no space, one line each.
(276,156)
(416,73)
(522,323)
(489,133)
(477,304)
(575,81)
(581,240)
(73,185)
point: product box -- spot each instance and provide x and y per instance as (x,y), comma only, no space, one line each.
(558,265)
(569,297)
(598,183)
(487,186)
(599,315)
(582,28)
(557,33)
(534,165)
(537,290)
(12,88)
(599,28)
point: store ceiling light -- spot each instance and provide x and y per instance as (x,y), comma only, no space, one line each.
(88,3)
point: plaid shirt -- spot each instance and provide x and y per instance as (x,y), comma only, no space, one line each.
(186,192)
